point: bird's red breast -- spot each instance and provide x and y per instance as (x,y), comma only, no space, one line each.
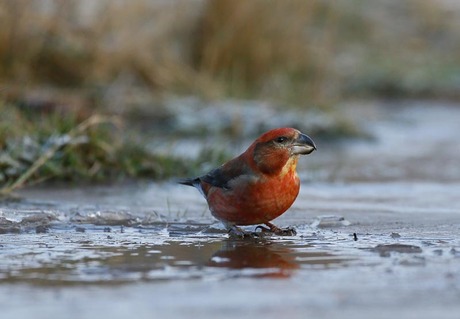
(260,184)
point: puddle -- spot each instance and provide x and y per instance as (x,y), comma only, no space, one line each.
(100,254)
(170,270)
(65,256)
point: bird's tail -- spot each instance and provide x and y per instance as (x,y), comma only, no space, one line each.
(189,181)
(195,182)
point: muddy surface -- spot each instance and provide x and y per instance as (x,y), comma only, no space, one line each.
(378,235)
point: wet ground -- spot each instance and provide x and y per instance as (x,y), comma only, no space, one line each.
(378,235)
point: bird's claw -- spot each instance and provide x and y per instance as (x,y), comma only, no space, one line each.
(288,231)
(262,229)
(238,233)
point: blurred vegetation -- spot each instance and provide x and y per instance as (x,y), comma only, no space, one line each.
(118,57)
(320,50)
(47,146)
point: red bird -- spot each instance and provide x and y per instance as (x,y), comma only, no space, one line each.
(259,185)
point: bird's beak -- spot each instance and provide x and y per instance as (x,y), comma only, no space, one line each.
(303,145)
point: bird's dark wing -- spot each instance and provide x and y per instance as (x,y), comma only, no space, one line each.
(221,176)
(218,178)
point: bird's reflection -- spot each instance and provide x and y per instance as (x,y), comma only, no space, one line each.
(178,259)
(274,259)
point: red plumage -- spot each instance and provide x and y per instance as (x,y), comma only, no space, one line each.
(260,184)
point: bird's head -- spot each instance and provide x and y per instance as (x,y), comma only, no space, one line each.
(274,150)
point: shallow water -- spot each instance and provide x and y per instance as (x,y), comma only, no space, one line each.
(378,235)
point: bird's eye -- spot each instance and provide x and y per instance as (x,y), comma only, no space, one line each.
(281,139)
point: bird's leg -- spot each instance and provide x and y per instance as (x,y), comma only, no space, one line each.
(288,231)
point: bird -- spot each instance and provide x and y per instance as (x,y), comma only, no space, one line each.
(257,186)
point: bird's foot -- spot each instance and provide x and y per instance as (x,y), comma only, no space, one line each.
(236,232)
(288,231)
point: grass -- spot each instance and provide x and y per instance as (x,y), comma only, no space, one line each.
(54,146)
